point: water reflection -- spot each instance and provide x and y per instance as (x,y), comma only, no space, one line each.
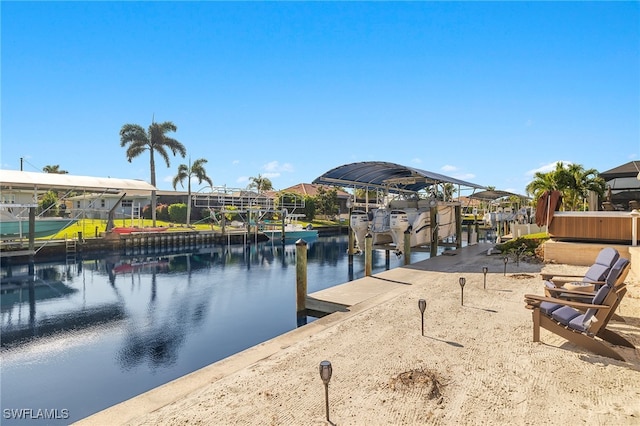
(120,325)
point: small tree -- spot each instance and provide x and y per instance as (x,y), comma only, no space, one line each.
(49,204)
(310,207)
(327,200)
(195,170)
(260,184)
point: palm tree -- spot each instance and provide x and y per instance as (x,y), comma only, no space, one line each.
(154,140)
(573,181)
(582,181)
(260,183)
(54,169)
(195,170)
(550,181)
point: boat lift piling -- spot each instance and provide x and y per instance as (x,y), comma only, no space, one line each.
(368,254)
(407,247)
(301,278)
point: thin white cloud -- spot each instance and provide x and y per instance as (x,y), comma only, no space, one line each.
(416,160)
(548,167)
(276,167)
(243,179)
(448,168)
(235,162)
(270,175)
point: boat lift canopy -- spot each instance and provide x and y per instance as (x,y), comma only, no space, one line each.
(392,177)
(14,179)
(492,195)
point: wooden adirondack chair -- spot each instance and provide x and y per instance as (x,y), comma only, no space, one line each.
(596,273)
(583,324)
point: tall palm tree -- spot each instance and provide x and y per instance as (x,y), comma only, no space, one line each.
(260,183)
(155,141)
(54,169)
(195,170)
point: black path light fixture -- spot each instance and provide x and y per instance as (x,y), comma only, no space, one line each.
(325,374)
(462,282)
(422,304)
(484,271)
(506,260)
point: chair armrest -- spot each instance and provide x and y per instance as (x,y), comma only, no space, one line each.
(534,299)
(549,276)
(561,290)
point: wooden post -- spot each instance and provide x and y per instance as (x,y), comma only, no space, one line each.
(458,216)
(407,247)
(32,229)
(301,275)
(351,237)
(433,213)
(368,254)
(284,214)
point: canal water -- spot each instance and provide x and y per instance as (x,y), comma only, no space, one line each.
(85,335)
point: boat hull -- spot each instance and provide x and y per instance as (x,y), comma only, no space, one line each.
(292,235)
(43,227)
(132,229)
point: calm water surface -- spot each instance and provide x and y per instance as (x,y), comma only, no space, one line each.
(86,335)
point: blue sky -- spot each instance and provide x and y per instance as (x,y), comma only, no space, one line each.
(488,92)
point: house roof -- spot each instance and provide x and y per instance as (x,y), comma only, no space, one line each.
(630,169)
(392,177)
(311,190)
(45,181)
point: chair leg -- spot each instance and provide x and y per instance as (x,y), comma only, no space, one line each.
(536,324)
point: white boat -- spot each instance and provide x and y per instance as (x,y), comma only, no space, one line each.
(388,225)
(359,223)
(13,227)
(292,231)
(417,221)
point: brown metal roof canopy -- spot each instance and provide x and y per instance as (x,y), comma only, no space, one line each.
(392,177)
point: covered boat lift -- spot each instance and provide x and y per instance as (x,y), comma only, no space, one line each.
(392,178)
(33,183)
(386,176)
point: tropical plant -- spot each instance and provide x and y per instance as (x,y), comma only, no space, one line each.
(155,141)
(260,183)
(188,172)
(573,181)
(581,181)
(54,169)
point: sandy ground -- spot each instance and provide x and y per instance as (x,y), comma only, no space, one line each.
(475,364)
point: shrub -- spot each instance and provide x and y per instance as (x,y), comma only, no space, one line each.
(178,213)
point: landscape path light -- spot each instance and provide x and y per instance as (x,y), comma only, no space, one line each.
(325,374)
(506,260)
(462,282)
(484,271)
(422,304)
